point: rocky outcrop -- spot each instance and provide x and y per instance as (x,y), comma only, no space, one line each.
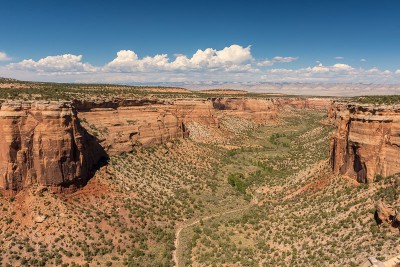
(43,143)
(120,128)
(311,103)
(387,214)
(59,144)
(366,142)
(262,110)
(256,110)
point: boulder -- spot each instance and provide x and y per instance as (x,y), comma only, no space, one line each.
(39,218)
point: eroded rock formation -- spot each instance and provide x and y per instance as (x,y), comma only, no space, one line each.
(122,127)
(60,143)
(366,142)
(43,143)
(312,103)
(256,110)
(387,214)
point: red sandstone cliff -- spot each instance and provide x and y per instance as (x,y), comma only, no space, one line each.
(43,143)
(122,127)
(262,110)
(257,110)
(366,142)
(312,103)
(59,143)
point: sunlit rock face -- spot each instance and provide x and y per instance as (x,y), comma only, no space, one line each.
(60,144)
(366,142)
(121,127)
(43,143)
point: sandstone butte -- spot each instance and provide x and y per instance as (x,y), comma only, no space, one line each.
(366,142)
(61,144)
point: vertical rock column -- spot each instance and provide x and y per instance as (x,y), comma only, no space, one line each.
(42,143)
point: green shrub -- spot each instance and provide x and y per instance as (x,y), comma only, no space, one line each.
(237,180)
(378,178)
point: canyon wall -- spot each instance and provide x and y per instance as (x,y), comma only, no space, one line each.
(311,103)
(43,143)
(366,142)
(122,127)
(256,110)
(264,110)
(59,144)
(271,104)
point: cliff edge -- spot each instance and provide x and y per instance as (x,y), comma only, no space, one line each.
(366,142)
(43,143)
(59,144)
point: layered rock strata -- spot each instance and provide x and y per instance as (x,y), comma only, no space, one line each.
(120,128)
(256,110)
(61,143)
(311,103)
(43,143)
(366,142)
(58,144)
(263,110)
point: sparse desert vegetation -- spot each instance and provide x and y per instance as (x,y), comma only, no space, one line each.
(242,192)
(200,133)
(262,195)
(378,100)
(27,90)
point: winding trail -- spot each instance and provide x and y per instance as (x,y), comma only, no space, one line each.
(175,254)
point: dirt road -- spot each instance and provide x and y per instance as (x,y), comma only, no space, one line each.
(175,254)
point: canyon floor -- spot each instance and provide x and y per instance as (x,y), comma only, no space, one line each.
(242,195)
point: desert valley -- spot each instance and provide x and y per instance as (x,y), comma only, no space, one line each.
(112,175)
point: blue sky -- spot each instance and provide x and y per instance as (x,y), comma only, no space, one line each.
(310,40)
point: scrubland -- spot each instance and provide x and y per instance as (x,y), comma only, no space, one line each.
(259,195)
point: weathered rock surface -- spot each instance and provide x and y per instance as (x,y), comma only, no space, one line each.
(257,110)
(39,218)
(387,214)
(120,128)
(366,142)
(312,103)
(43,143)
(58,144)
(383,213)
(264,110)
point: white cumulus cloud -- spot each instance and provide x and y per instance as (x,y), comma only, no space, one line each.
(55,64)
(341,67)
(231,63)
(128,61)
(320,68)
(4,56)
(231,57)
(233,54)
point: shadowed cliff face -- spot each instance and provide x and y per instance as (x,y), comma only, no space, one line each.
(43,143)
(366,142)
(60,144)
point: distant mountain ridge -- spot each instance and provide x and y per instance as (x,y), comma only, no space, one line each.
(295,88)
